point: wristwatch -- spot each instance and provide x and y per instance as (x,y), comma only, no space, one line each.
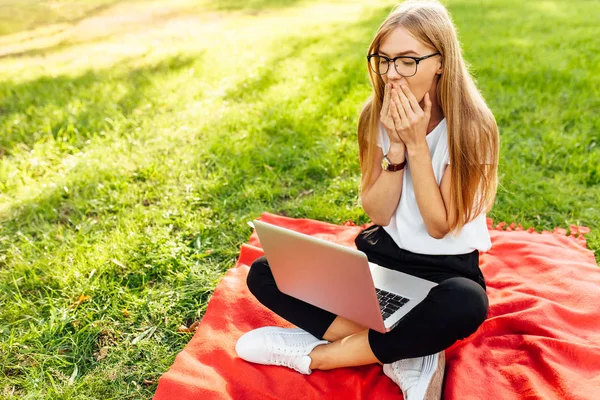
(387,165)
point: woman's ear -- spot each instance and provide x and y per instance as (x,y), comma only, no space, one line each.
(439,69)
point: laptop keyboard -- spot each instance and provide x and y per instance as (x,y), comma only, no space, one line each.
(389,303)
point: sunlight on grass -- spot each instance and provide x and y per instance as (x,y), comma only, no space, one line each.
(27,15)
(84,169)
(139,141)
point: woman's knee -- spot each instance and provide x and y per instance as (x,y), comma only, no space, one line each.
(256,275)
(469,304)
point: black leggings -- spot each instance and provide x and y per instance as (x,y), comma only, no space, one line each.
(452,310)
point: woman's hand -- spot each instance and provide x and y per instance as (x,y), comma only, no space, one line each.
(410,121)
(386,117)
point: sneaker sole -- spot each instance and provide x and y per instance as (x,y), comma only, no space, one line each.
(434,390)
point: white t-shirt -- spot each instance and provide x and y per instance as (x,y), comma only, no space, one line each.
(407,227)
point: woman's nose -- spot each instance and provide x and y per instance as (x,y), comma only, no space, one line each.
(392,74)
(394,77)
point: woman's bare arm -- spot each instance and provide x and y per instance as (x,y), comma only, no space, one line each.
(381,195)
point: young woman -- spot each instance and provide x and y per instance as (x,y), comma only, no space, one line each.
(428,148)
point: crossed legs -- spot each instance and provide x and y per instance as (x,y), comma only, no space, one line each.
(349,347)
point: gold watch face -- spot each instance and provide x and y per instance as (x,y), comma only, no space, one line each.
(384,163)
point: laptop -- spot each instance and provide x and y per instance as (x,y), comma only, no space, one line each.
(338,278)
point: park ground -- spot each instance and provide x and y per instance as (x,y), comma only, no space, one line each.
(137,138)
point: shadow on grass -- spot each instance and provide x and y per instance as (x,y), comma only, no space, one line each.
(147,258)
(284,134)
(72,109)
(298,155)
(294,141)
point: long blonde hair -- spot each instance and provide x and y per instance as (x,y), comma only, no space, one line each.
(473,139)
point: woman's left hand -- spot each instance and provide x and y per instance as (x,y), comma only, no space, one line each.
(414,120)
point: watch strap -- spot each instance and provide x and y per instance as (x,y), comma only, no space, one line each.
(394,167)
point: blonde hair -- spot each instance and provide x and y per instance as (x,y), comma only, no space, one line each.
(473,139)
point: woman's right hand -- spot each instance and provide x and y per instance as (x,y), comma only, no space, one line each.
(386,117)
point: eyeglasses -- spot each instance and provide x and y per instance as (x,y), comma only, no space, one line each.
(406,66)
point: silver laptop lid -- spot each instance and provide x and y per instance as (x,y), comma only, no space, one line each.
(328,275)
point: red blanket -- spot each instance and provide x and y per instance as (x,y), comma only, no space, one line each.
(541,339)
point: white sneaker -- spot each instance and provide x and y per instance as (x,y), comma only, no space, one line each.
(273,345)
(419,378)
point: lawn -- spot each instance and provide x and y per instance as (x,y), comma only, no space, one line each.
(137,138)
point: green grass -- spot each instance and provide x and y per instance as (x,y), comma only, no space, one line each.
(132,160)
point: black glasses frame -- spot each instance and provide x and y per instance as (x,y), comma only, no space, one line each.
(416,59)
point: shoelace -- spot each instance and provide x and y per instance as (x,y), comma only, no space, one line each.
(282,354)
(405,379)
